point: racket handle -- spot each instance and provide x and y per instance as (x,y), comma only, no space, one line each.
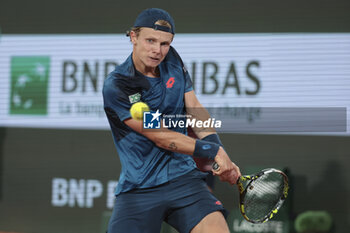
(215,166)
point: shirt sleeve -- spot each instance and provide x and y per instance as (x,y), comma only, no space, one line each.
(116,100)
(188,81)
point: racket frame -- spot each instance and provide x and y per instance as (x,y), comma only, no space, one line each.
(243,191)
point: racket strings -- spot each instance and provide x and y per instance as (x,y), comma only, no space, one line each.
(262,195)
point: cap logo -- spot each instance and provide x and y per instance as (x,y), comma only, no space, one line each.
(162,28)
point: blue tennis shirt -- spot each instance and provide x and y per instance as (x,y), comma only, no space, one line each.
(143,163)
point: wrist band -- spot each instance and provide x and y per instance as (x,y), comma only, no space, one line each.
(213,138)
(204,149)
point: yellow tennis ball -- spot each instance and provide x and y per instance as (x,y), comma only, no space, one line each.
(137,110)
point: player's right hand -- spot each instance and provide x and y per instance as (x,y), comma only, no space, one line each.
(228,171)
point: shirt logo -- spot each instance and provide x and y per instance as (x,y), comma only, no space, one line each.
(134,98)
(218,203)
(170,82)
(151,120)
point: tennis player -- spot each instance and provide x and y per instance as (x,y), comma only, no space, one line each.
(159,180)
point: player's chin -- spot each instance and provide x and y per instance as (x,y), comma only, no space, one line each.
(154,62)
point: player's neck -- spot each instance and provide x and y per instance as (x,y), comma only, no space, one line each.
(152,72)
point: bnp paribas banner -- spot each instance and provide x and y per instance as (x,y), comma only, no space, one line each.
(284,83)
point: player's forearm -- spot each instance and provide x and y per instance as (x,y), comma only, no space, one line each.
(174,141)
(165,138)
(181,143)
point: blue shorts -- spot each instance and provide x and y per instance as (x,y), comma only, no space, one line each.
(182,203)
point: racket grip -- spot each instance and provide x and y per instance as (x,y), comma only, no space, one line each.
(215,166)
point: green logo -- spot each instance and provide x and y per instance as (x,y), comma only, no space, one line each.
(29,85)
(134,98)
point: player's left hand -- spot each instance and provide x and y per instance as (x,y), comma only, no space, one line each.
(228,171)
(231,176)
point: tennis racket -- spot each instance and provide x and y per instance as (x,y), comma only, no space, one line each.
(261,194)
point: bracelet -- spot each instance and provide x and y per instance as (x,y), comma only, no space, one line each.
(205,149)
(213,138)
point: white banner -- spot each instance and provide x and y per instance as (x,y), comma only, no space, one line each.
(56,81)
